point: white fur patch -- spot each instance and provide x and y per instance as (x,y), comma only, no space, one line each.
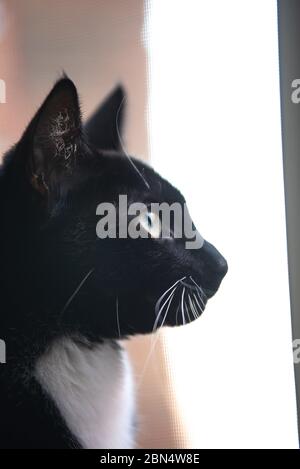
(93,390)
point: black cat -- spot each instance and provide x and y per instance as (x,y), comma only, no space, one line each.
(66,295)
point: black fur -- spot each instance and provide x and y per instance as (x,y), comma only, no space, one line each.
(109,117)
(50,185)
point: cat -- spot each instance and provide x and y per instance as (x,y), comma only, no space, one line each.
(68,297)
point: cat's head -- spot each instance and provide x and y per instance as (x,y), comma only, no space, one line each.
(57,185)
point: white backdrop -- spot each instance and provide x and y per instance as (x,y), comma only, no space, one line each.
(215,132)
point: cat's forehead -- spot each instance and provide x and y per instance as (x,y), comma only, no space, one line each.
(138,178)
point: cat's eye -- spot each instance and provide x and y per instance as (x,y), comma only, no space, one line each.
(151,223)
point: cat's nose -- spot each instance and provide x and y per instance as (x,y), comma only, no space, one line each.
(214,260)
(215,268)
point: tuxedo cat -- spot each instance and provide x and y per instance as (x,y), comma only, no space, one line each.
(66,296)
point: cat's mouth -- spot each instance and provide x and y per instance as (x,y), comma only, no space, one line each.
(180,304)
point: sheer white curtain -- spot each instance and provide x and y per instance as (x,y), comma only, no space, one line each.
(214,117)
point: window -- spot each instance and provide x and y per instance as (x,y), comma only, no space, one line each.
(215,132)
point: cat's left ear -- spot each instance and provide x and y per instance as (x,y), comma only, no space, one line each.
(104,128)
(55,137)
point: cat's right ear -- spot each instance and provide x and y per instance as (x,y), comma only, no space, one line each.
(54,139)
(104,128)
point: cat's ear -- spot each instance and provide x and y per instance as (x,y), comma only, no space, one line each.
(104,128)
(55,137)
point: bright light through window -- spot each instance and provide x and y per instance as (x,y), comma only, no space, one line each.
(215,133)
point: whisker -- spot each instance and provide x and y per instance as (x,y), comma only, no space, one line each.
(168,307)
(188,307)
(157,306)
(155,339)
(147,361)
(198,314)
(199,306)
(199,296)
(200,289)
(170,298)
(124,150)
(75,292)
(192,307)
(182,305)
(161,309)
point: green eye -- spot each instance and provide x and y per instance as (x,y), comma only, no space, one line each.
(151,223)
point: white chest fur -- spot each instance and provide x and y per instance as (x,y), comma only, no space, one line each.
(93,390)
